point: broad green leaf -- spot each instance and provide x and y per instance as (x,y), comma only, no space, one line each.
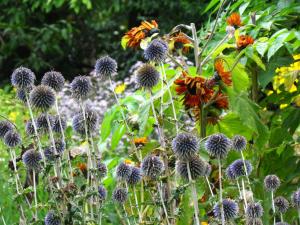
(292,121)
(250,53)
(221,49)
(261,47)
(210,5)
(106,125)
(117,135)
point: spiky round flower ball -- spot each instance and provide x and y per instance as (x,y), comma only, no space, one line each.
(12,139)
(53,79)
(52,219)
(152,166)
(254,221)
(229,173)
(147,76)
(102,192)
(218,145)
(5,126)
(29,128)
(81,86)
(230,208)
(238,167)
(56,125)
(120,195)
(102,169)
(156,51)
(271,182)
(281,204)
(92,121)
(254,210)
(42,123)
(123,171)
(135,176)
(32,158)
(296,198)
(239,143)
(207,171)
(22,77)
(106,66)
(185,146)
(49,152)
(197,168)
(42,97)
(22,93)
(282,223)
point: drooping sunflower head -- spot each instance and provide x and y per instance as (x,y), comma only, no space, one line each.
(221,73)
(234,20)
(243,41)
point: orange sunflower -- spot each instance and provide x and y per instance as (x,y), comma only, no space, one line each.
(243,41)
(234,20)
(134,37)
(181,41)
(224,75)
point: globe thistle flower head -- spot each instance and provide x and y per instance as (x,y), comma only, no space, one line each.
(239,143)
(106,66)
(22,77)
(156,51)
(254,210)
(123,171)
(29,128)
(102,169)
(49,152)
(31,159)
(254,221)
(296,198)
(271,182)
(102,192)
(12,139)
(42,123)
(152,166)
(22,93)
(218,145)
(197,168)
(229,173)
(42,97)
(230,207)
(281,204)
(147,76)
(120,195)
(238,167)
(207,170)
(81,87)
(53,79)
(92,121)
(56,124)
(185,146)
(135,176)
(5,126)
(52,219)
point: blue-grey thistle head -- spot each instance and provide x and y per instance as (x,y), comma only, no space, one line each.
(185,146)
(106,66)
(156,51)
(254,210)
(5,126)
(152,166)
(58,123)
(239,143)
(229,173)
(29,128)
(230,207)
(120,195)
(102,192)
(52,219)
(281,204)
(81,87)
(42,97)
(42,123)
(296,198)
(49,152)
(218,145)
(238,168)
(271,182)
(92,121)
(22,77)
(135,176)
(123,171)
(12,139)
(102,169)
(147,76)
(254,221)
(31,159)
(197,168)
(23,93)
(53,79)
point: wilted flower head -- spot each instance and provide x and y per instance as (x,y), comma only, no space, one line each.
(234,20)
(31,159)
(92,121)
(238,167)
(185,145)
(12,139)
(296,198)
(120,195)
(271,182)
(123,171)
(53,79)
(52,219)
(42,123)
(230,207)
(5,126)
(147,76)
(29,128)
(22,77)
(106,66)
(225,76)
(102,192)
(281,204)
(56,124)
(152,166)
(218,145)
(254,221)
(156,51)
(239,143)
(81,87)
(254,210)
(197,168)
(135,176)
(180,41)
(102,169)
(42,97)
(243,41)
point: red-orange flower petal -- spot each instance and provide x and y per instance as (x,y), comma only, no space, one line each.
(224,75)
(243,41)
(181,41)
(234,20)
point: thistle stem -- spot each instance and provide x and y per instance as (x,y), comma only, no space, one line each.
(126,215)
(137,204)
(281,217)
(34,190)
(244,194)
(210,189)
(273,205)
(238,185)
(162,201)
(194,194)
(220,194)
(247,176)
(130,203)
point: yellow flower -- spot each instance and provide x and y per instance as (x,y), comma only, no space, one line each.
(120,88)
(13,116)
(282,106)
(296,57)
(204,223)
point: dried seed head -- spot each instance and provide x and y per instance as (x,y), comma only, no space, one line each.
(197,168)
(147,76)
(218,145)
(42,97)
(185,146)
(152,166)
(271,182)
(106,66)
(12,139)
(81,87)
(22,77)
(53,79)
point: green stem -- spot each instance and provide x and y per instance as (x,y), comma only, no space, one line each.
(220,194)
(255,85)
(163,202)
(194,195)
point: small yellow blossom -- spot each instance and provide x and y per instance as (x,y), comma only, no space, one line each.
(120,88)
(282,106)
(13,116)
(296,57)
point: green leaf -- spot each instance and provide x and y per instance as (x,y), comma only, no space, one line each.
(292,121)
(261,47)
(277,44)
(250,53)
(106,125)
(117,135)
(210,5)
(221,48)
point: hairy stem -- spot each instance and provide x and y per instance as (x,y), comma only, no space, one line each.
(196,46)
(194,195)
(210,189)
(137,204)
(247,175)
(220,194)
(244,194)
(163,202)
(34,191)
